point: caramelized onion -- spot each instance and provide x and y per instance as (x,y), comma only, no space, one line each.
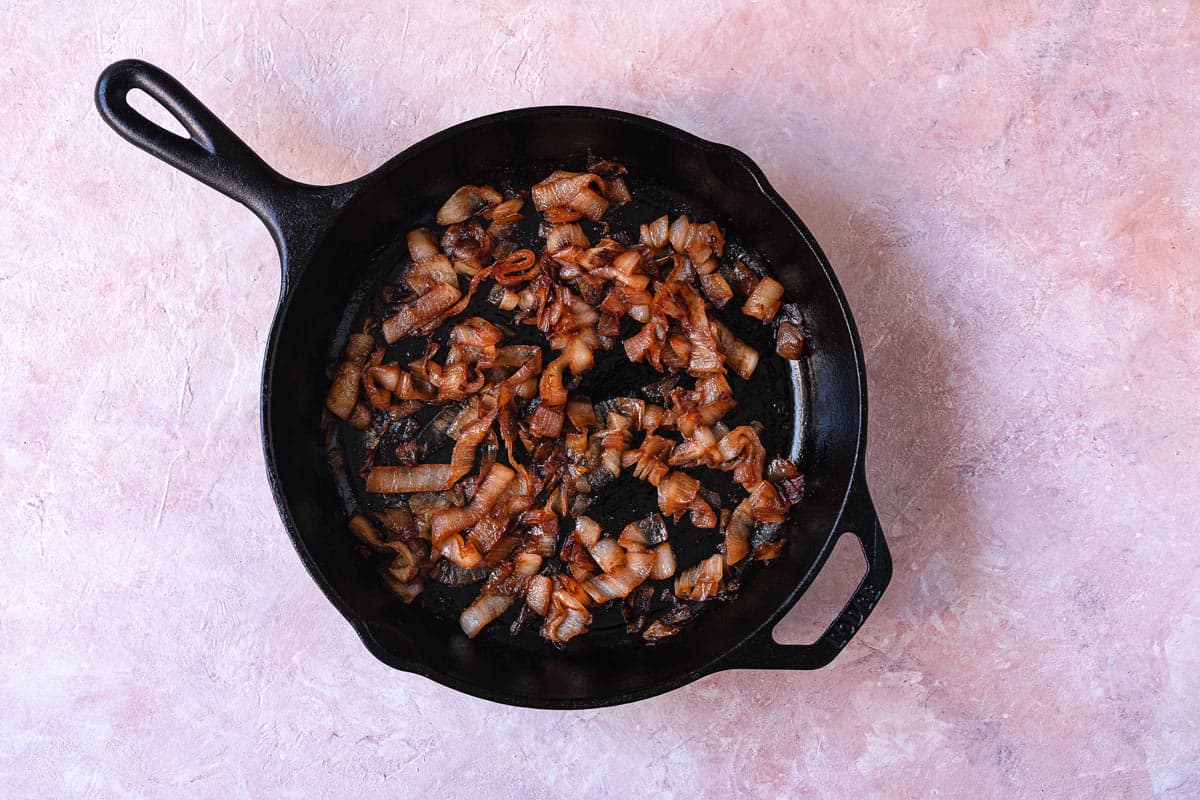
(419,312)
(716,289)
(739,356)
(485,609)
(654,234)
(742,452)
(789,340)
(468,200)
(492,514)
(617,192)
(763,303)
(565,235)
(343,390)
(738,528)
(573,190)
(701,581)
(405,480)
(567,616)
(537,596)
(664,562)
(768,551)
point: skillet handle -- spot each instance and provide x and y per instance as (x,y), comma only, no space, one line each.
(297,214)
(858,519)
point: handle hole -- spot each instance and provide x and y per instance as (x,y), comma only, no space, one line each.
(827,595)
(156,112)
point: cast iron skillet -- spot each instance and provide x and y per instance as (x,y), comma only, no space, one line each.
(332,241)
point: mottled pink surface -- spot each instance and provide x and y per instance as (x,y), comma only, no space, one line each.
(1011,199)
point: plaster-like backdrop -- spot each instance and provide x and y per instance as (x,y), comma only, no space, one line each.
(1011,200)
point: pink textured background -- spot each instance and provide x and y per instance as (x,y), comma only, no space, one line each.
(1011,199)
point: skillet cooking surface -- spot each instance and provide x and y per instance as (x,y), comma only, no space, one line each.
(770,397)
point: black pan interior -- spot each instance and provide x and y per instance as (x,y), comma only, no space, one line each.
(811,411)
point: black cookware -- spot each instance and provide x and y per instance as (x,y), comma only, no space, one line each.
(330,241)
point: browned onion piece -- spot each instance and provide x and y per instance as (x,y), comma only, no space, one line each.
(343,390)
(716,289)
(590,204)
(654,234)
(737,534)
(466,201)
(679,233)
(471,434)
(379,382)
(582,415)
(365,532)
(711,400)
(588,531)
(703,358)
(646,345)
(636,607)
(573,190)
(419,312)
(789,340)
(476,333)
(763,303)
(495,599)
(485,609)
(601,255)
(406,560)
(405,480)
(541,531)
(677,494)
(501,551)
(575,555)
(617,192)
(657,631)
(740,277)
(664,562)
(701,581)
(537,596)
(507,212)
(699,449)
(621,580)
(449,523)
(568,615)
(739,356)
(562,214)
(742,452)
(452,520)
(614,441)
(421,245)
(669,624)
(765,504)
(649,459)
(398,521)
(705,240)
(467,245)
(768,551)
(421,276)
(566,235)
(545,421)
(780,468)
(788,480)
(625,565)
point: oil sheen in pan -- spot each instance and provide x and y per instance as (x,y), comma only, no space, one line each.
(767,397)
